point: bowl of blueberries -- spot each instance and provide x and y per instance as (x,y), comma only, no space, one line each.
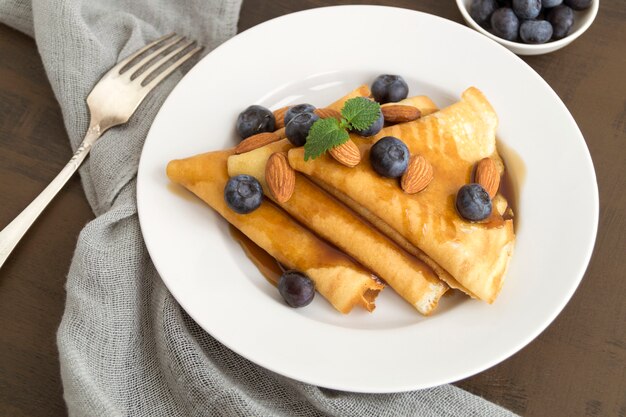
(530,27)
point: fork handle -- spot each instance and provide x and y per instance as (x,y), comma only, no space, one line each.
(14,231)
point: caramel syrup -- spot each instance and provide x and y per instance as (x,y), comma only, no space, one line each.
(267,265)
(510,186)
(507,189)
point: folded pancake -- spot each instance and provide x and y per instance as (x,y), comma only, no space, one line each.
(337,277)
(408,276)
(400,240)
(426,107)
(452,140)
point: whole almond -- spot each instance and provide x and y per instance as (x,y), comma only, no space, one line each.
(279,115)
(256,141)
(325,113)
(417,176)
(399,113)
(347,154)
(280,133)
(488,176)
(280,177)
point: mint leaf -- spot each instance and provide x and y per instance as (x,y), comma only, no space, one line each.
(325,134)
(360,112)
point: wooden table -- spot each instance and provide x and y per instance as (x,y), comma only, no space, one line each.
(576,367)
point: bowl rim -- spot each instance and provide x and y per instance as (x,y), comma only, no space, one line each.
(553,45)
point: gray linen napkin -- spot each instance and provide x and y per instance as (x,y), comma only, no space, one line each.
(126,347)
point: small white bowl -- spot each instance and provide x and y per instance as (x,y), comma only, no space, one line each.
(582,21)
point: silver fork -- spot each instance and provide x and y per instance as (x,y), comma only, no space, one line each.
(112,102)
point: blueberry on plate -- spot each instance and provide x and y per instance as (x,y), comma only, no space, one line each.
(527,9)
(562,19)
(243,194)
(374,128)
(388,88)
(505,24)
(535,31)
(255,119)
(298,128)
(578,4)
(473,202)
(297,109)
(481,10)
(296,288)
(550,3)
(389,157)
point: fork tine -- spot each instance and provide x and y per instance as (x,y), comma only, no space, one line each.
(147,60)
(157,64)
(173,67)
(126,60)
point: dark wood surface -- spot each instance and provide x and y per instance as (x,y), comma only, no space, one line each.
(577,367)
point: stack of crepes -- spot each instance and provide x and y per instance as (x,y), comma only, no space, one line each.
(346,227)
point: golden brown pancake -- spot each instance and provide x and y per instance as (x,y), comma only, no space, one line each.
(400,240)
(337,277)
(408,276)
(452,140)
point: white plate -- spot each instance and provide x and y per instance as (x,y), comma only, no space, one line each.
(317,56)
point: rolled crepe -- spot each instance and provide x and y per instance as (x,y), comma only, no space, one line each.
(337,278)
(452,140)
(408,276)
(400,240)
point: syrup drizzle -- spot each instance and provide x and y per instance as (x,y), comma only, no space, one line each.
(269,267)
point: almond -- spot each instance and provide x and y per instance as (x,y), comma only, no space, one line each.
(347,154)
(325,113)
(488,176)
(417,176)
(279,115)
(399,113)
(280,177)
(281,133)
(256,141)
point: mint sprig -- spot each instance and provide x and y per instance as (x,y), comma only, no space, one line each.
(358,113)
(325,134)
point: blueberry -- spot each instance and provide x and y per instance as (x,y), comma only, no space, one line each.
(550,3)
(481,10)
(535,31)
(389,88)
(473,202)
(374,128)
(243,194)
(504,3)
(505,24)
(578,4)
(255,119)
(298,128)
(562,19)
(527,9)
(300,108)
(296,288)
(389,157)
